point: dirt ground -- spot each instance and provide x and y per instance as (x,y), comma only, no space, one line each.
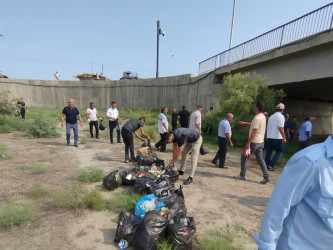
(214,199)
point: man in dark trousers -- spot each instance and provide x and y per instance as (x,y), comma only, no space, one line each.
(184,116)
(162,126)
(112,114)
(92,116)
(127,131)
(22,108)
(72,114)
(174,119)
(192,140)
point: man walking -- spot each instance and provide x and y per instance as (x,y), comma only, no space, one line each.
(192,141)
(174,119)
(162,126)
(72,114)
(184,116)
(224,137)
(299,212)
(305,133)
(195,123)
(127,131)
(255,143)
(92,116)
(275,137)
(113,115)
(22,108)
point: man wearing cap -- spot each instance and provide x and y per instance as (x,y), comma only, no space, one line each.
(192,140)
(195,123)
(305,133)
(275,137)
(183,115)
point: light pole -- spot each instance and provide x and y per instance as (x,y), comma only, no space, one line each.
(159,32)
(232,24)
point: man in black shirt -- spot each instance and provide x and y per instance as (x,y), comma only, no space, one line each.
(127,131)
(22,108)
(184,116)
(71,113)
(192,141)
(174,119)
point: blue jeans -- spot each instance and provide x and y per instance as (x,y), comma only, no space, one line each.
(273,144)
(69,127)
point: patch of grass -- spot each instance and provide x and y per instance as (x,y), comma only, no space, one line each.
(94,201)
(3,148)
(83,140)
(38,191)
(224,239)
(90,174)
(123,201)
(42,125)
(164,244)
(34,168)
(15,214)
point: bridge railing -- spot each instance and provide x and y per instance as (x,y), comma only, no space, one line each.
(310,24)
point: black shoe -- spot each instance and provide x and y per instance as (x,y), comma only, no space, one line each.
(188,181)
(68,142)
(223,167)
(214,163)
(270,168)
(75,145)
(92,136)
(181,172)
(97,137)
(264,181)
(111,142)
(157,147)
(203,153)
(119,141)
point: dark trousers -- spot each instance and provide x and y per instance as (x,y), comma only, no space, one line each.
(23,113)
(223,148)
(91,125)
(112,125)
(174,127)
(304,144)
(161,144)
(273,144)
(129,144)
(202,150)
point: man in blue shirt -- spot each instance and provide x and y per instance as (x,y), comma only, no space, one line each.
(299,214)
(224,136)
(305,133)
(71,113)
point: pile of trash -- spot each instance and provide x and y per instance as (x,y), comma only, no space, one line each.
(161,213)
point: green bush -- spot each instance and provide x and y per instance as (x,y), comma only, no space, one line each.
(7,105)
(3,148)
(9,123)
(15,214)
(34,168)
(123,201)
(71,197)
(90,174)
(42,125)
(38,191)
(94,201)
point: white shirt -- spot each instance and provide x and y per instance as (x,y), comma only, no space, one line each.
(275,122)
(195,120)
(160,120)
(92,114)
(112,112)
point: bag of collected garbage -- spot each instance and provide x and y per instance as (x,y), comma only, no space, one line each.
(146,204)
(176,207)
(159,163)
(160,186)
(147,235)
(173,173)
(112,180)
(142,184)
(143,144)
(128,178)
(182,233)
(127,226)
(101,125)
(180,193)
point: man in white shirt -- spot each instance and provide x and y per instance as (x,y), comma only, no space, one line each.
(57,75)
(92,116)
(162,126)
(195,123)
(275,137)
(255,143)
(112,114)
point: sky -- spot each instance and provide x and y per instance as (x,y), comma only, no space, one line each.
(73,37)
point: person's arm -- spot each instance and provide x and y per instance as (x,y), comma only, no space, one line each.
(176,153)
(137,135)
(62,120)
(178,117)
(199,128)
(165,126)
(244,123)
(308,134)
(298,177)
(79,117)
(283,135)
(288,132)
(251,138)
(144,134)
(98,116)
(227,135)
(87,115)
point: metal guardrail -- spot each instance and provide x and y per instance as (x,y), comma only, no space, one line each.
(310,24)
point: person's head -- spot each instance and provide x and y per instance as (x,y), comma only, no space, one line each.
(174,110)
(168,137)
(199,107)
(259,107)
(287,116)
(71,103)
(164,110)
(142,119)
(92,105)
(265,114)
(280,107)
(229,117)
(294,118)
(113,104)
(312,119)
(183,107)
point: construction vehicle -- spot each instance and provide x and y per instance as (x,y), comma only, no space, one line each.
(129,75)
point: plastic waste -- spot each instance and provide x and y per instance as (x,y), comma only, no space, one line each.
(127,226)
(146,204)
(123,244)
(112,180)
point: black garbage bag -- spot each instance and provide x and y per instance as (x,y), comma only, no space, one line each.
(176,207)
(112,180)
(159,163)
(149,232)
(128,178)
(173,173)
(161,186)
(127,226)
(144,144)
(180,193)
(182,233)
(101,125)
(142,184)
